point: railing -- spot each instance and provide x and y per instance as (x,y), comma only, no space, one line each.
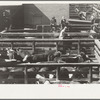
(56,42)
(90,65)
(57,66)
(48,34)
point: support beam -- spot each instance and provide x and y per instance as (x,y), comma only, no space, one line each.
(78,47)
(33,46)
(12,45)
(25,75)
(90,74)
(57,73)
(56,46)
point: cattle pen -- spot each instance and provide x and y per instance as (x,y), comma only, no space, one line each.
(94,43)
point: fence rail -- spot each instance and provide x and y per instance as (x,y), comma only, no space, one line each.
(48,34)
(46,40)
(56,65)
(57,41)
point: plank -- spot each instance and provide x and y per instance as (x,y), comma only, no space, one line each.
(45,40)
(27,34)
(79,21)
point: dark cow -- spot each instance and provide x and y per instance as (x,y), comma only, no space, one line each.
(20,54)
(8,56)
(43,57)
(66,58)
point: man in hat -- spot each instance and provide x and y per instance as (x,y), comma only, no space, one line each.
(63,22)
(53,24)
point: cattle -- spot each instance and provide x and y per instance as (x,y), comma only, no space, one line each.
(63,74)
(83,59)
(50,56)
(66,58)
(8,55)
(24,56)
(20,54)
(43,57)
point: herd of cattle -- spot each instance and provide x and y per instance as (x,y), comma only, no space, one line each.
(50,56)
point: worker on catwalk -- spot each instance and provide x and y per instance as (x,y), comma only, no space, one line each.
(53,24)
(63,22)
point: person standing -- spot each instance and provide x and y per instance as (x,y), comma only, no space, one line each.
(53,24)
(61,35)
(63,22)
(64,35)
(7,19)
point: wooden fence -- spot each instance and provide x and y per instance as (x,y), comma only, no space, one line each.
(43,35)
(57,65)
(79,42)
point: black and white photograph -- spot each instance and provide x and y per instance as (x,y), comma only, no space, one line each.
(49,49)
(50,43)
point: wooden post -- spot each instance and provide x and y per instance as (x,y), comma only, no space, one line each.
(57,73)
(12,45)
(43,37)
(33,46)
(25,75)
(99,72)
(56,46)
(42,28)
(78,47)
(90,74)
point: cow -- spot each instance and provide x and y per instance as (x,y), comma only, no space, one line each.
(20,54)
(43,57)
